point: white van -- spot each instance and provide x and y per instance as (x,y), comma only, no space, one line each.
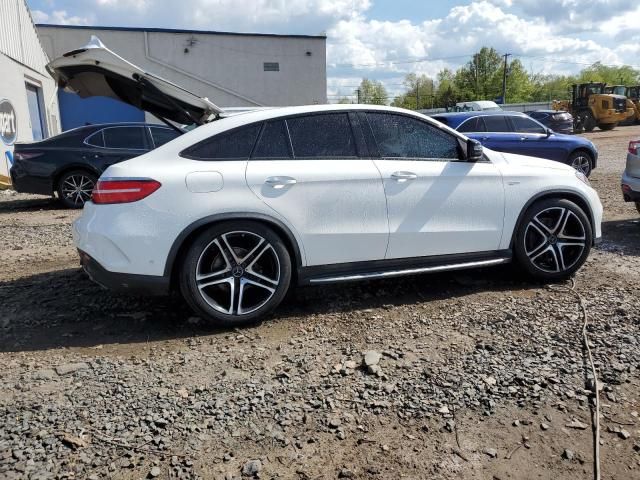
(477,106)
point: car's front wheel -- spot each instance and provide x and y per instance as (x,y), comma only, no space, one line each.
(75,188)
(553,240)
(235,273)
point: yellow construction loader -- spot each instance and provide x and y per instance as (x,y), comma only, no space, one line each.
(633,114)
(592,108)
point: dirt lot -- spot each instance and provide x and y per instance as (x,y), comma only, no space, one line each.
(482,374)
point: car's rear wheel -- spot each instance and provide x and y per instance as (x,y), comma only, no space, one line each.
(553,240)
(235,273)
(582,162)
(75,188)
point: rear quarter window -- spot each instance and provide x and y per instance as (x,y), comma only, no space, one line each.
(234,145)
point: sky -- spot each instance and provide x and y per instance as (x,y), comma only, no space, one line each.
(387,39)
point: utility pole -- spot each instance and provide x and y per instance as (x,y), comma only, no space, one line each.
(358,92)
(504,79)
(417,93)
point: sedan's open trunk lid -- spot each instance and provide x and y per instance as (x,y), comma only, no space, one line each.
(94,70)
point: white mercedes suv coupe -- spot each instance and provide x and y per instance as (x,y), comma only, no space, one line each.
(235,212)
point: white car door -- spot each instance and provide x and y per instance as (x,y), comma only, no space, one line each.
(308,170)
(437,203)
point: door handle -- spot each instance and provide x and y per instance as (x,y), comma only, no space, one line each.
(280,182)
(403,176)
(523,139)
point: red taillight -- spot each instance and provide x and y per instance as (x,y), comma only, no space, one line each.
(634,146)
(123,191)
(26,155)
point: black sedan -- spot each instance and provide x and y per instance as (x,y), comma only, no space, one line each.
(68,165)
(558,121)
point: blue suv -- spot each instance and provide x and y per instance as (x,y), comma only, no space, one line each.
(515,132)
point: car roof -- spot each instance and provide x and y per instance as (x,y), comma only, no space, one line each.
(478,113)
(228,123)
(95,126)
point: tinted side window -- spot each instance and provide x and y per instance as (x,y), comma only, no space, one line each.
(274,142)
(96,140)
(162,135)
(131,138)
(399,136)
(236,145)
(526,125)
(496,123)
(474,124)
(322,136)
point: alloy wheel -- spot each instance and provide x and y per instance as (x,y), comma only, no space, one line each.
(77,189)
(555,239)
(238,273)
(582,164)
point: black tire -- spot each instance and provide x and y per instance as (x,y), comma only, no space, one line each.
(547,244)
(589,122)
(581,161)
(75,187)
(223,253)
(638,206)
(607,126)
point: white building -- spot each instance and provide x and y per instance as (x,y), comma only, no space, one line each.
(231,69)
(28,100)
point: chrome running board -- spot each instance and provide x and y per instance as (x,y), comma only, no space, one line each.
(411,271)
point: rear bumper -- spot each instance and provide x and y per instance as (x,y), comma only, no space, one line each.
(630,188)
(123,282)
(24,183)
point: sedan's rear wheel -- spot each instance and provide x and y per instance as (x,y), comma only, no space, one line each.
(582,162)
(554,239)
(75,188)
(235,273)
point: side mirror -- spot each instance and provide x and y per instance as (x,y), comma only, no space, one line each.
(549,132)
(474,150)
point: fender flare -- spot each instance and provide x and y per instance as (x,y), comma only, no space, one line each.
(570,195)
(280,227)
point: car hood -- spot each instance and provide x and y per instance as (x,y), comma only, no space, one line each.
(94,70)
(534,162)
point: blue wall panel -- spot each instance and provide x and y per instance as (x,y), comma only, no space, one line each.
(76,111)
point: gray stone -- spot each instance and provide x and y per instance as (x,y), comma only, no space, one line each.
(568,454)
(155,472)
(491,452)
(68,368)
(371,358)
(252,468)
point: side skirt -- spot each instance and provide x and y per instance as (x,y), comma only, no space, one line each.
(350,272)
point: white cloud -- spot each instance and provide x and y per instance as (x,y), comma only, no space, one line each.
(58,17)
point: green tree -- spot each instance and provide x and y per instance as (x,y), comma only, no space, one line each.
(420,93)
(372,92)
(613,75)
(481,77)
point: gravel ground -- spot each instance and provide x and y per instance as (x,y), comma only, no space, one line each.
(471,375)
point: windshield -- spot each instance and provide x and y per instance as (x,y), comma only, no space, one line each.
(619,90)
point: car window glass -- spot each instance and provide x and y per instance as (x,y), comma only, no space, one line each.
(526,125)
(131,138)
(496,123)
(236,145)
(162,135)
(322,136)
(274,142)
(96,140)
(399,136)
(474,124)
